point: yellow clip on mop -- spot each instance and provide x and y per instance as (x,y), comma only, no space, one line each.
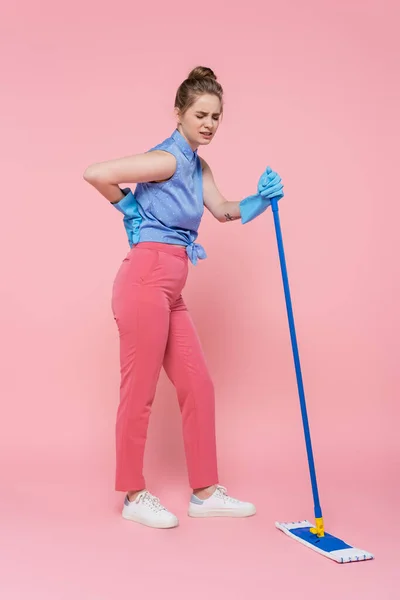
(314,537)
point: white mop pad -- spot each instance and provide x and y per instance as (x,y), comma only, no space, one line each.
(330,546)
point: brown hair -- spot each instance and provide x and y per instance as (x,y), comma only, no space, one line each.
(201,80)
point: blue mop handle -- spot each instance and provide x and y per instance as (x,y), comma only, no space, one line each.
(317,507)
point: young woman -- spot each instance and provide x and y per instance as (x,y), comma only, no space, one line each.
(161,219)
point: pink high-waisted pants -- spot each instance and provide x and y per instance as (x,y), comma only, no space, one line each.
(155,330)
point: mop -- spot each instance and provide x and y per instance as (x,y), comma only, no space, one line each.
(313,537)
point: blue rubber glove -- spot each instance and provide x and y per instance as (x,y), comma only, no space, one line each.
(127,205)
(132,219)
(269,186)
(252,207)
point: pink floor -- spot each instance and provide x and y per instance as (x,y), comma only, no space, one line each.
(66,540)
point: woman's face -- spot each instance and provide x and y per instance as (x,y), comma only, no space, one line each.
(200,122)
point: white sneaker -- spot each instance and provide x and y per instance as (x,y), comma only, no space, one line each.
(147,510)
(220,505)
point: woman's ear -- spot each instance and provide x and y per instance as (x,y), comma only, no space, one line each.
(177,115)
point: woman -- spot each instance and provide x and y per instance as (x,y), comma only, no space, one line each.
(161,219)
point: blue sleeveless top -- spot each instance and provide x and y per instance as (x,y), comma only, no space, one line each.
(170,211)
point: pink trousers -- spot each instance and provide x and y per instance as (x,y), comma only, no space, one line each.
(155,330)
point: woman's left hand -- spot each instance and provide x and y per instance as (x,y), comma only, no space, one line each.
(269,185)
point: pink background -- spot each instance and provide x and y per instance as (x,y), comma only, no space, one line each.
(312,89)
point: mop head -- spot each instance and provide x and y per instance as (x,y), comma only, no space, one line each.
(330,546)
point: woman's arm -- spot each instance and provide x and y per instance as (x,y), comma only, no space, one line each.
(150,166)
(219,207)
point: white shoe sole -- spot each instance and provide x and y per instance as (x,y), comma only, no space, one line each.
(160,525)
(200,512)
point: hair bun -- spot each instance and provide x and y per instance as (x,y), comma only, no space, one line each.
(202,73)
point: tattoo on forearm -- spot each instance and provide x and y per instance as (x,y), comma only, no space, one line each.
(229,217)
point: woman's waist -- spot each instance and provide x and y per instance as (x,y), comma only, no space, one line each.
(166,237)
(169,248)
